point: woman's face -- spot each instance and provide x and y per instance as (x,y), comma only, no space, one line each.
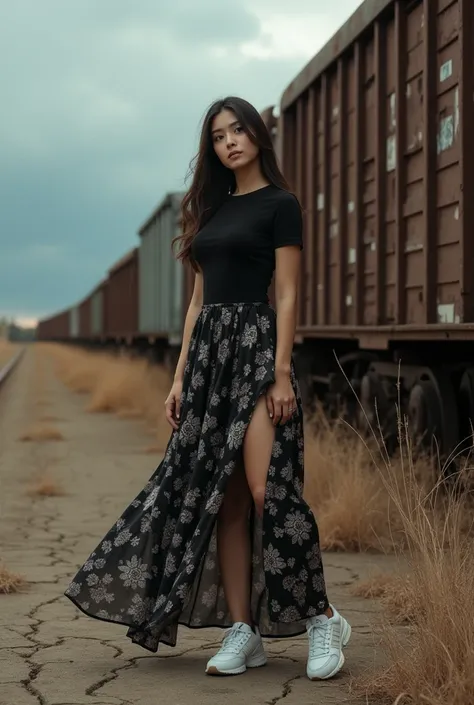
(231,143)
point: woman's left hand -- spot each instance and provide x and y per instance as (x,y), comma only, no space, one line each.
(281,400)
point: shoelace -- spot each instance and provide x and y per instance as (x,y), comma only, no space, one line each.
(235,640)
(319,640)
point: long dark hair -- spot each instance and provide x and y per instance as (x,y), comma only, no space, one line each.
(212,181)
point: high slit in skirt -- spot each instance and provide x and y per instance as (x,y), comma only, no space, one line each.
(157,567)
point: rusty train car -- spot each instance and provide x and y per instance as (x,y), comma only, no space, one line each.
(375,136)
(377,139)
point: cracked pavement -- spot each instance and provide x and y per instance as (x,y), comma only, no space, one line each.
(51,654)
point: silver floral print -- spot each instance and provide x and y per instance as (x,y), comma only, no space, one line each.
(157,567)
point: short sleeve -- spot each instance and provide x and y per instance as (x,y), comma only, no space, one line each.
(288,223)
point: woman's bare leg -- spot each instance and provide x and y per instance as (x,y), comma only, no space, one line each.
(233,540)
(258,444)
(233,547)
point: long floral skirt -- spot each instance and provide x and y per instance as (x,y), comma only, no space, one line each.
(157,567)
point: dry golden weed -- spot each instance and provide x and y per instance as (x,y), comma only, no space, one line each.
(432,661)
(10,582)
(395,593)
(46,486)
(42,432)
(345,491)
(129,388)
(363,500)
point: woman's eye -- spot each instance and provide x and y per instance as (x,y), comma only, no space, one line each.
(238,129)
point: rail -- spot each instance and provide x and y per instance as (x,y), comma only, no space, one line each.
(6,369)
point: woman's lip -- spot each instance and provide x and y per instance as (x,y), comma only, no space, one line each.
(234,154)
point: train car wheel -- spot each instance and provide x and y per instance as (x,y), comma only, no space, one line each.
(425,415)
(372,411)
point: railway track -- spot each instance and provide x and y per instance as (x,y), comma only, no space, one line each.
(10,365)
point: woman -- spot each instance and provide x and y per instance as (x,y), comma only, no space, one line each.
(220,535)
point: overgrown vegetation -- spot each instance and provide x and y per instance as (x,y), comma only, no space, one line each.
(363,500)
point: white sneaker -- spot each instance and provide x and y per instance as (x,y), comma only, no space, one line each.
(327,638)
(242,648)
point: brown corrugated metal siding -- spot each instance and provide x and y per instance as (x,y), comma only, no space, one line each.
(54,328)
(85,318)
(120,298)
(377,134)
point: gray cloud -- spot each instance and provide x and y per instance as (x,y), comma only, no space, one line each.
(101,105)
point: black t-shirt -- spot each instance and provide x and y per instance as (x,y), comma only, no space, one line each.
(236,248)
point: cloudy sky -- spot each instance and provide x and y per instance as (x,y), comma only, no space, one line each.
(100,108)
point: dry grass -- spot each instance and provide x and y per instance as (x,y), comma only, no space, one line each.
(46,486)
(347,489)
(363,501)
(399,599)
(41,432)
(431,662)
(342,484)
(129,388)
(10,582)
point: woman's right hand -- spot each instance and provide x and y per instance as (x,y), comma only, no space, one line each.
(172,404)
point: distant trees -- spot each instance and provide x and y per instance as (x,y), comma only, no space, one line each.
(9,330)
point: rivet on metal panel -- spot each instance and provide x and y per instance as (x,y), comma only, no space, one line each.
(348,300)
(351,206)
(373,246)
(446,70)
(408,90)
(352,255)
(334,230)
(391,153)
(320,287)
(335,111)
(320,201)
(456,213)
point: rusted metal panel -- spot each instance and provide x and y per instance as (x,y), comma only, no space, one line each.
(375,139)
(121,298)
(271,121)
(343,40)
(55,327)
(85,318)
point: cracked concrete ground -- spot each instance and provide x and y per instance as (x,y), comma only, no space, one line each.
(51,654)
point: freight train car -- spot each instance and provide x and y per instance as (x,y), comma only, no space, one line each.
(377,139)
(54,328)
(162,290)
(119,299)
